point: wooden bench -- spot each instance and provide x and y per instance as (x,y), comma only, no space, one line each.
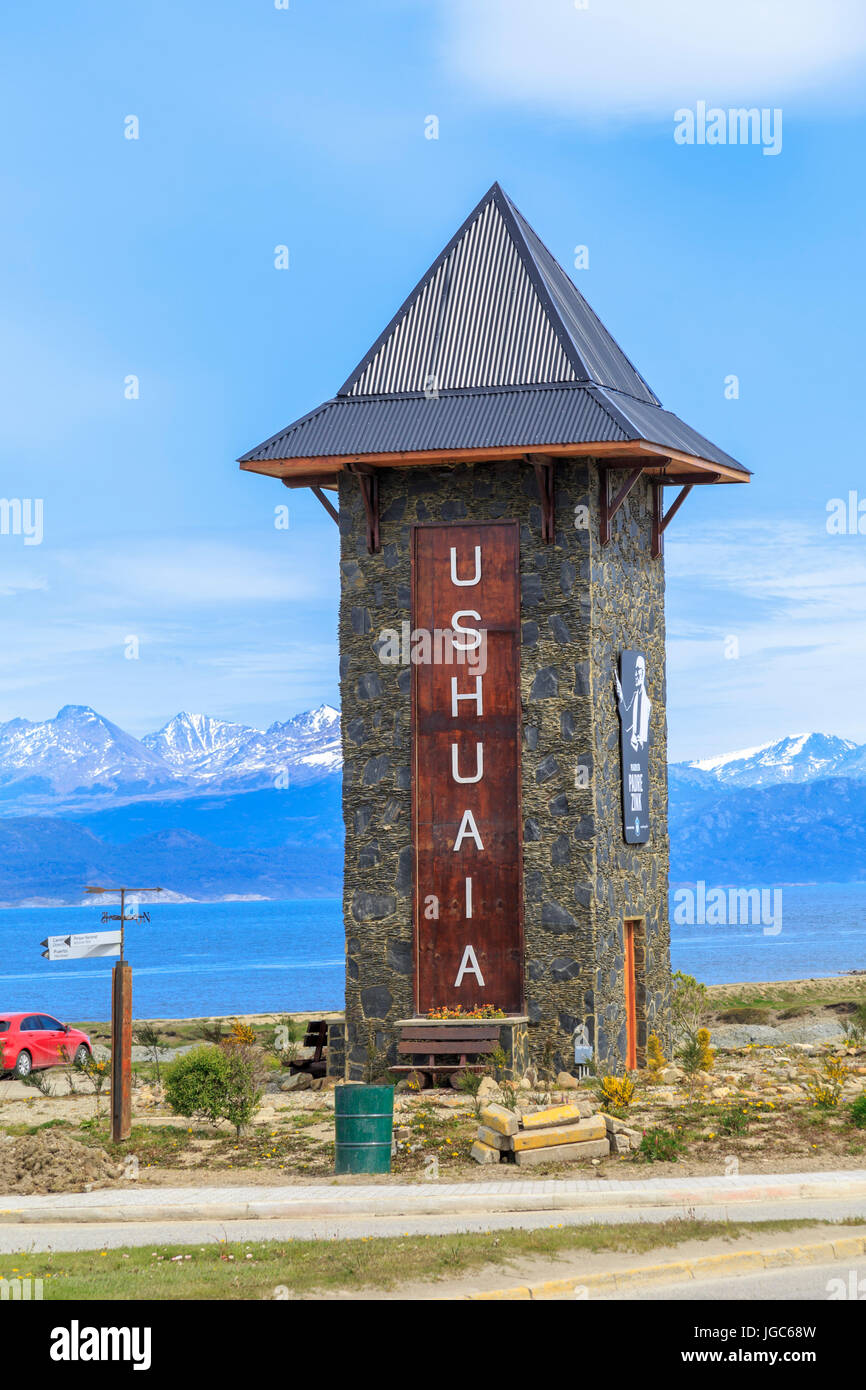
(429,1044)
(315,1037)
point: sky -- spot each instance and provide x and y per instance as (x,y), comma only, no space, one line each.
(147,338)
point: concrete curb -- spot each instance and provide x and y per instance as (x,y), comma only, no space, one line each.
(346,1202)
(735,1262)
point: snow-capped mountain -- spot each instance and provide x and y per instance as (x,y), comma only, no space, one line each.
(78,751)
(192,741)
(303,749)
(797,758)
(80,756)
(785,812)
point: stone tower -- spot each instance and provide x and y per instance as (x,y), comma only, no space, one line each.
(500,467)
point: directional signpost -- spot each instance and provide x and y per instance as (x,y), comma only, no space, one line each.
(111,943)
(91,943)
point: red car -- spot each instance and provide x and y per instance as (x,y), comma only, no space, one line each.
(29,1042)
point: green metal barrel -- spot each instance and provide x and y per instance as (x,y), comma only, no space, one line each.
(365,1118)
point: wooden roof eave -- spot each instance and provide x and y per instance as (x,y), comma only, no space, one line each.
(669,464)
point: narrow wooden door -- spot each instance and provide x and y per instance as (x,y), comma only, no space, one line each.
(630,987)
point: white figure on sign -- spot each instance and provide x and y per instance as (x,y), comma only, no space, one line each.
(635,709)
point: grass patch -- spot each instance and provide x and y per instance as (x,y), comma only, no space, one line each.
(18,1130)
(277,1148)
(255,1269)
(811,996)
(660,1145)
(745,1013)
(151,1145)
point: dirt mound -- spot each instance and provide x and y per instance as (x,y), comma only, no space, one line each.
(50,1162)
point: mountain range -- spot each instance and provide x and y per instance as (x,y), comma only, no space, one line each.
(785,812)
(215,809)
(81,758)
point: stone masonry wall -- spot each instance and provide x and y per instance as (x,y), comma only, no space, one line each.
(631,880)
(572,830)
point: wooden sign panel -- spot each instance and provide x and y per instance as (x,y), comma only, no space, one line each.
(466,783)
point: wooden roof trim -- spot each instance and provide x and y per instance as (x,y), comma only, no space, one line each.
(323,471)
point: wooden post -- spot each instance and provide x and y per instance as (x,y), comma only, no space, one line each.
(121,1051)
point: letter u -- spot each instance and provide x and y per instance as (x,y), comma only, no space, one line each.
(465,583)
(479,764)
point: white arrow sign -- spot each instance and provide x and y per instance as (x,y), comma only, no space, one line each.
(91,943)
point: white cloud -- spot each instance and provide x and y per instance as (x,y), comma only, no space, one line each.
(13,582)
(190,570)
(795,600)
(633,58)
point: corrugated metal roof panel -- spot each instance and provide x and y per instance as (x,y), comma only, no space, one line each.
(649,421)
(475,320)
(604,361)
(518,418)
(494,309)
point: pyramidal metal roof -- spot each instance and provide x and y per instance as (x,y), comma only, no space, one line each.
(494,309)
(494,349)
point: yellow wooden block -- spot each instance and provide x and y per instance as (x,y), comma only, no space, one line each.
(564,1153)
(580,1133)
(498,1118)
(554,1115)
(486,1135)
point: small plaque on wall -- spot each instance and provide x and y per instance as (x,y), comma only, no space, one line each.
(635,707)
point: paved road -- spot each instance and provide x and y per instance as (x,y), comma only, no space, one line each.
(102,1235)
(810,1283)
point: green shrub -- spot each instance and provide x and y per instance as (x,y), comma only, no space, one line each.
(825,1088)
(469,1083)
(858,1111)
(734,1120)
(691,1055)
(660,1145)
(195,1084)
(689,1005)
(616,1093)
(499,1062)
(215,1083)
(243,1083)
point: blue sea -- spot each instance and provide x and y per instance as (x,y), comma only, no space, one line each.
(195,959)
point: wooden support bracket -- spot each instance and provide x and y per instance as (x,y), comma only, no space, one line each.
(545,476)
(368,481)
(611,505)
(326,503)
(662,518)
(317,492)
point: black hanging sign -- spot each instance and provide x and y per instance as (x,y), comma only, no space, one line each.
(635,707)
